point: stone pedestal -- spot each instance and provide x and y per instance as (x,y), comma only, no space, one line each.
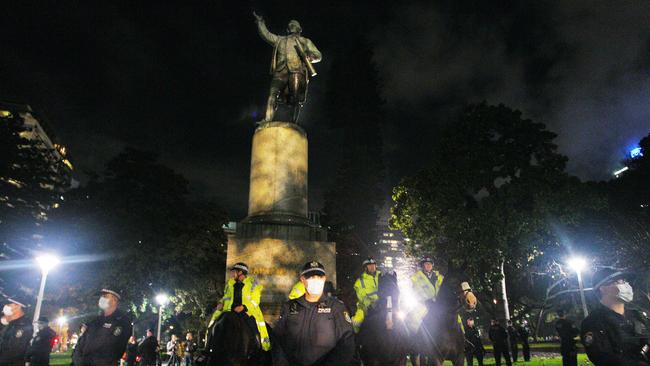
(276,238)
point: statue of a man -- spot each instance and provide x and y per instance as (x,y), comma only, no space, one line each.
(289,68)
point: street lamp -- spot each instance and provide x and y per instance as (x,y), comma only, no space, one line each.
(578,264)
(162,300)
(46,262)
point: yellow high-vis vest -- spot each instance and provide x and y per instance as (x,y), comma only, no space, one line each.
(251,295)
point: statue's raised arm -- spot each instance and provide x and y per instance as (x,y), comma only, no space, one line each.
(269,37)
(291,67)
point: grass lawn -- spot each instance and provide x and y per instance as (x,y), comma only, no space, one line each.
(63,358)
(555,361)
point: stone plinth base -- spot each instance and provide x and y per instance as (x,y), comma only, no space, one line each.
(276,264)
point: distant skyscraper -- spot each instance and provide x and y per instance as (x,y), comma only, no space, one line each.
(391,249)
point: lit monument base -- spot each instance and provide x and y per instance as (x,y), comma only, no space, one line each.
(277,238)
(276,264)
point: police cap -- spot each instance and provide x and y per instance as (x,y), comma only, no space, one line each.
(18,299)
(312,268)
(608,275)
(240,266)
(107,290)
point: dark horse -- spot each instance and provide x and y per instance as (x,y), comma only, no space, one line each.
(233,340)
(440,336)
(383,339)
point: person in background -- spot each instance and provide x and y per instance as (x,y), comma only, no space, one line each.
(190,348)
(131,352)
(38,353)
(473,343)
(524,333)
(512,338)
(148,349)
(76,352)
(568,333)
(174,360)
(499,338)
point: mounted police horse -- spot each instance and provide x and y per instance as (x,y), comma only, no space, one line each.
(383,338)
(440,336)
(234,341)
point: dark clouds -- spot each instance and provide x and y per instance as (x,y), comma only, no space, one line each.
(582,67)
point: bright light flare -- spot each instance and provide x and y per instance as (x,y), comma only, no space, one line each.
(577,264)
(61,321)
(401,315)
(47,262)
(162,299)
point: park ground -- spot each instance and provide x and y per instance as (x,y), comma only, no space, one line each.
(60,359)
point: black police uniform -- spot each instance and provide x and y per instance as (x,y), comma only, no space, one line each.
(14,342)
(38,353)
(567,332)
(318,333)
(148,350)
(514,346)
(612,339)
(523,334)
(106,339)
(473,346)
(499,339)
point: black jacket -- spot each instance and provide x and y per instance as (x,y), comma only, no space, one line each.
(473,343)
(498,335)
(131,353)
(147,349)
(106,339)
(612,339)
(39,351)
(567,332)
(14,341)
(314,333)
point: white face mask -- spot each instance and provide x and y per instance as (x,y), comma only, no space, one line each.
(104,303)
(4,321)
(625,292)
(315,286)
(7,310)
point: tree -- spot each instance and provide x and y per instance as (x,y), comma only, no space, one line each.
(492,192)
(143,235)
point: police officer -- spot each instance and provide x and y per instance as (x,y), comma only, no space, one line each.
(365,287)
(512,337)
(499,338)
(567,332)
(106,335)
(314,329)
(473,343)
(242,297)
(523,332)
(16,335)
(614,334)
(38,353)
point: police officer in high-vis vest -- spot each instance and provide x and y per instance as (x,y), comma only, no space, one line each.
(615,334)
(242,296)
(366,287)
(425,284)
(314,329)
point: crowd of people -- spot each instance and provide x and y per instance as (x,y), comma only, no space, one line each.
(315,328)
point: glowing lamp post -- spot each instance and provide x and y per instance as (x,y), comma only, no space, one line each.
(578,264)
(162,300)
(46,262)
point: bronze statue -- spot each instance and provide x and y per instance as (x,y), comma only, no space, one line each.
(291,67)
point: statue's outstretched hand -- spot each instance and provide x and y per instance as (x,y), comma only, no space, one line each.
(258,18)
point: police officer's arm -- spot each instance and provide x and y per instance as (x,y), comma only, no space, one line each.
(359,291)
(269,37)
(343,353)
(597,344)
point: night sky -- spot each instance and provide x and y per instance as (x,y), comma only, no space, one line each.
(188,78)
